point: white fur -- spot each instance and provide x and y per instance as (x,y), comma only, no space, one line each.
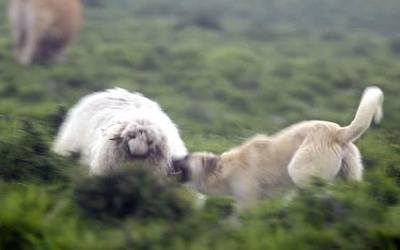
(96,119)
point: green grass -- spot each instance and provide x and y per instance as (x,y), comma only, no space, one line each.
(223,71)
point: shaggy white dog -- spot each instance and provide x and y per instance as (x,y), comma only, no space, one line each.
(114,126)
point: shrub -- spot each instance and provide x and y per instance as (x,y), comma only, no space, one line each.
(56,118)
(395,45)
(241,67)
(9,90)
(27,157)
(131,193)
(332,36)
(94,3)
(218,207)
(33,217)
(206,15)
(322,217)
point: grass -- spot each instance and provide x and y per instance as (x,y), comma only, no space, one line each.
(222,76)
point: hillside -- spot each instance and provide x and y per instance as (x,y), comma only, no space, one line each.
(223,70)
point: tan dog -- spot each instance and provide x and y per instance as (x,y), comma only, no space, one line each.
(43,28)
(265,165)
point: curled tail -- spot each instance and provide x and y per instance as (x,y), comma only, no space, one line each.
(370,108)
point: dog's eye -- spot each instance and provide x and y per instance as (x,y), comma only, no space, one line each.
(133,136)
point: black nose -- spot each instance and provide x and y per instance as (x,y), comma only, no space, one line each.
(178,165)
(180,169)
(180,162)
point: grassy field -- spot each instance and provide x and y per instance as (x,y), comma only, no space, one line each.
(223,70)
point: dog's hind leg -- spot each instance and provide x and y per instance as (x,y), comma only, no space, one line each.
(352,167)
(38,21)
(318,157)
(18,23)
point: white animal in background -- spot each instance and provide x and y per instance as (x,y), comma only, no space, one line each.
(43,28)
(266,165)
(115,126)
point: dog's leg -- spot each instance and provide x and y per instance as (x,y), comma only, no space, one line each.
(318,156)
(37,22)
(244,189)
(31,39)
(17,19)
(352,167)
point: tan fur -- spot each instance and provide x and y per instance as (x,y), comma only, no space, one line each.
(266,165)
(43,28)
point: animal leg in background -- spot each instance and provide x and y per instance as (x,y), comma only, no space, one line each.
(31,37)
(18,26)
(30,24)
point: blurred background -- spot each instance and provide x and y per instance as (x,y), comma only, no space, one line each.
(223,70)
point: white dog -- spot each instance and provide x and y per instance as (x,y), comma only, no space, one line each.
(265,165)
(114,126)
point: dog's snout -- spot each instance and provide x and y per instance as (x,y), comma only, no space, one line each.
(181,162)
(178,164)
(180,169)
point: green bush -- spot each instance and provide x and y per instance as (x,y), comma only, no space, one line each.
(395,45)
(32,217)
(223,71)
(136,193)
(238,66)
(26,156)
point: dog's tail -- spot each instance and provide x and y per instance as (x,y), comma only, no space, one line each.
(370,108)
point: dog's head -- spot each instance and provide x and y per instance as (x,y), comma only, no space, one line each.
(139,139)
(196,167)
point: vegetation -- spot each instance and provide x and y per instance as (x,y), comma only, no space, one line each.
(223,70)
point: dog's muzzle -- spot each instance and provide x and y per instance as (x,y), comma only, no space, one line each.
(180,169)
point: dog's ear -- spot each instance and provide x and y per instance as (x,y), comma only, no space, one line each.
(210,163)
